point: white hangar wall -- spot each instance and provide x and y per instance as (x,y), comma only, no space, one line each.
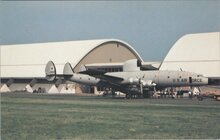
(29,60)
(198,53)
(22,66)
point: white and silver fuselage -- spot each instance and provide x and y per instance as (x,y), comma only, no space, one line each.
(160,78)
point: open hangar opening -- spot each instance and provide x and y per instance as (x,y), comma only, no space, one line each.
(23,65)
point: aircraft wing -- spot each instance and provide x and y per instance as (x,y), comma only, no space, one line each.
(108,80)
(93,72)
(101,75)
(113,82)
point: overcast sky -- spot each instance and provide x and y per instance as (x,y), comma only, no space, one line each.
(151,27)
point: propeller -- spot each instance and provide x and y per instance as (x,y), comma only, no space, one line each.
(148,83)
(139,80)
(141,83)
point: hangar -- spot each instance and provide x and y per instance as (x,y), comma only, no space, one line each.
(199,53)
(22,66)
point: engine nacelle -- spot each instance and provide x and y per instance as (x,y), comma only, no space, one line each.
(148,83)
(138,81)
(131,81)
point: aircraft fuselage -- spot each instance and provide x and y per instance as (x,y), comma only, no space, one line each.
(160,78)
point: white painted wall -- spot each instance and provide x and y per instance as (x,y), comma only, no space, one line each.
(198,53)
(29,60)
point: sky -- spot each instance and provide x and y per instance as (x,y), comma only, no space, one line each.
(150,27)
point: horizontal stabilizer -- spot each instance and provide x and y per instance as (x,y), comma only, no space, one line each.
(50,71)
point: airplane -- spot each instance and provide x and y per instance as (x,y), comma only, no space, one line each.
(132,80)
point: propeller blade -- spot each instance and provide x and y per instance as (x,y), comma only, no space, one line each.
(141,88)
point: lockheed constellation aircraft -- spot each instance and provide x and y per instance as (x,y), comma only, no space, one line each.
(131,81)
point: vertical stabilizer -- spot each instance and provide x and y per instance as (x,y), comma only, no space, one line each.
(132,65)
(68,70)
(50,71)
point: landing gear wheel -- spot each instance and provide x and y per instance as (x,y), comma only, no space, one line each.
(148,94)
(200,98)
(128,96)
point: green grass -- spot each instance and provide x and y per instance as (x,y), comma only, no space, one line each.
(31,116)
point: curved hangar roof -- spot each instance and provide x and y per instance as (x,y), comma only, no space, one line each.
(198,53)
(29,60)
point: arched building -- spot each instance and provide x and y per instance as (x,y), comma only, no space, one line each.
(198,53)
(22,66)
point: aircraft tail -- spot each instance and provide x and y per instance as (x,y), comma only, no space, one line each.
(68,70)
(50,71)
(132,65)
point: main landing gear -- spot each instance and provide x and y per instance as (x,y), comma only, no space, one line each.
(146,94)
(132,95)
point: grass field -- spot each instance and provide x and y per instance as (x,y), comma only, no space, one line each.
(32,116)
